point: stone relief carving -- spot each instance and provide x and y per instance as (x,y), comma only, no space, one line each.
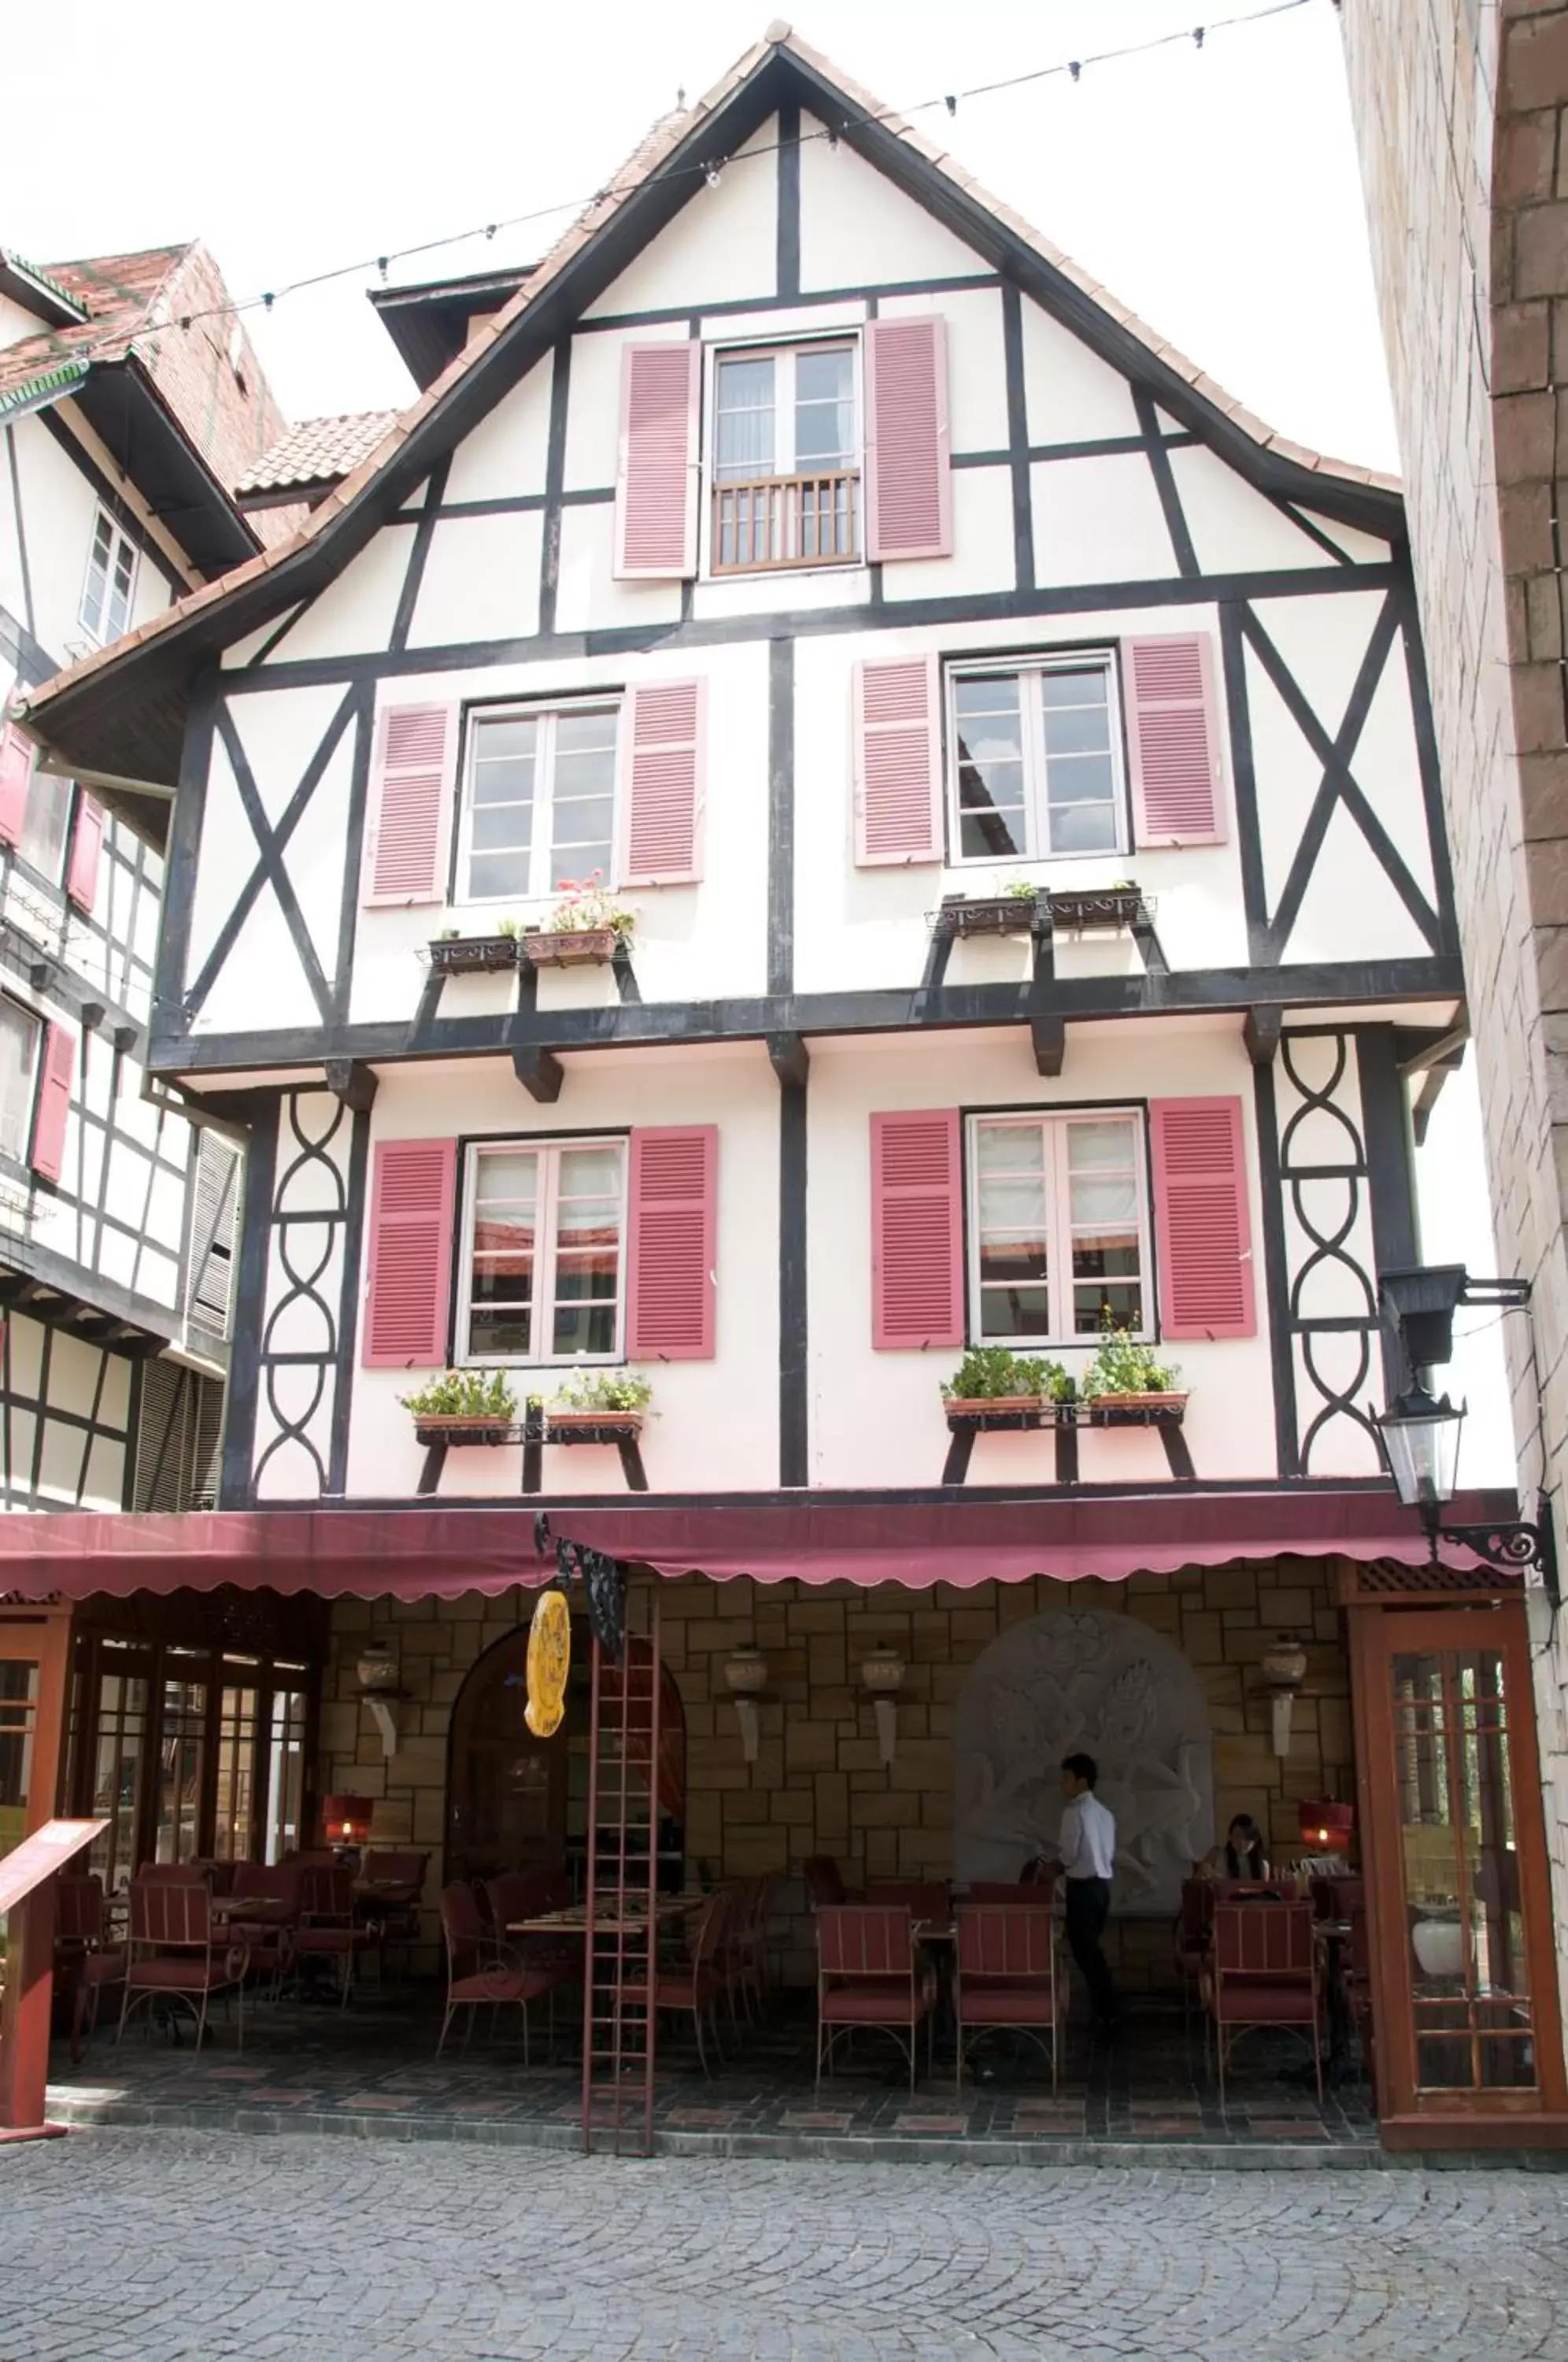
(1085,1678)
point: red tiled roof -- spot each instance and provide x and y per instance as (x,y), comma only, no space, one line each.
(316,451)
(117,291)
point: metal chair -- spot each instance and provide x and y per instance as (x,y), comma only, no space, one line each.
(869,1974)
(329,1929)
(1263,1970)
(84,1959)
(697,1984)
(484,1972)
(174,1955)
(1004,1976)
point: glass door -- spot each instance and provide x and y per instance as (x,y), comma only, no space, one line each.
(1469,2024)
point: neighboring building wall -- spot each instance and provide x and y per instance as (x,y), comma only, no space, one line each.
(818,1784)
(1459,110)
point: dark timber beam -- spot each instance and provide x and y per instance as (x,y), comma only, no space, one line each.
(355,1084)
(541,1074)
(1261,1035)
(788,1058)
(1049,1038)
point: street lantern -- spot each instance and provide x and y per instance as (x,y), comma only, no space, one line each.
(1420,1441)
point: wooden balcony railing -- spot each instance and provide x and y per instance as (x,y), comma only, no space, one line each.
(771,522)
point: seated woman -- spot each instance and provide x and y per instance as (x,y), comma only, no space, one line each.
(1241,1855)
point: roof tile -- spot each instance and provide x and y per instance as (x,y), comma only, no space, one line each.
(316,451)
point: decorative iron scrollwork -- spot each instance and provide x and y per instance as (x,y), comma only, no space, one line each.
(1519,1546)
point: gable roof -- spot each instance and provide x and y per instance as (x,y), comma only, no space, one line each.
(121,710)
(429,322)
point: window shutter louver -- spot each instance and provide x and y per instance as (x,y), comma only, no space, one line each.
(909,488)
(662,762)
(16,778)
(656,475)
(214,1225)
(411,802)
(57,1066)
(897,749)
(413,1194)
(670,1288)
(1202,1219)
(917,1237)
(86,846)
(1173,731)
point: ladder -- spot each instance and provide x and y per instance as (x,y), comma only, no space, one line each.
(620,1944)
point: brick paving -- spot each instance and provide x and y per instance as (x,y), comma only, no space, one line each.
(154,2247)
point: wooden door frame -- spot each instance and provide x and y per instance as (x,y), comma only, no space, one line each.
(38,1634)
(1408,2119)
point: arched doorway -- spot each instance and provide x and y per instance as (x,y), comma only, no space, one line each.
(1085,1678)
(515,1802)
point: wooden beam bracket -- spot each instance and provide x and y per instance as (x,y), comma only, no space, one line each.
(1261,1035)
(541,1074)
(789,1058)
(353,1082)
(1049,1038)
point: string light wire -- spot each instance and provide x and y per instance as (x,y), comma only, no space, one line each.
(711,169)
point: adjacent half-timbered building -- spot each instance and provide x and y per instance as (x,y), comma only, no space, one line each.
(1008,771)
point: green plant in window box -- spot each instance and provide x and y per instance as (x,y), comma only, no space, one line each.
(1127,1374)
(606,1397)
(1020,890)
(587,925)
(466,1405)
(993,1379)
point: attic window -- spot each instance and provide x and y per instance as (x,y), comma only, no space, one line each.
(786,458)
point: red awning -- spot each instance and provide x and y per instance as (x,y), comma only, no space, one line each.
(413,1552)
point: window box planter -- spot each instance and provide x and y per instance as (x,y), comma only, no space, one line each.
(592,1426)
(999,914)
(472,955)
(1116,906)
(462,1426)
(576,947)
(1135,1410)
(983,1410)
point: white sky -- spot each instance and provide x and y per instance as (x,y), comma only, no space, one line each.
(1216,191)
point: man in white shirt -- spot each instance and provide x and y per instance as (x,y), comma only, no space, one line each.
(1088,1865)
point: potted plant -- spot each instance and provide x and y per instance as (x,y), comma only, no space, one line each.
(1128,1376)
(600,1399)
(992,1382)
(451,953)
(463,1407)
(586,926)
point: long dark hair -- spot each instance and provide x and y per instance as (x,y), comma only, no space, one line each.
(1250,1861)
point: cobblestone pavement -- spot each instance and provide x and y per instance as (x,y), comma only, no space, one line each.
(166,2246)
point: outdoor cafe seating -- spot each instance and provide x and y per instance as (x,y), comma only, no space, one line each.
(179,1952)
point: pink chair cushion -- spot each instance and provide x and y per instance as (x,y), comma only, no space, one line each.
(1001,2004)
(503,1985)
(679,1989)
(1255,2002)
(103,1968)
(192,1974)
(333,1939)
(872,2003)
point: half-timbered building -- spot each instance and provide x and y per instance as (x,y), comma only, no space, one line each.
(1008,769)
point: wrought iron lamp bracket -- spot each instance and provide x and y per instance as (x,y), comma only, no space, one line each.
(1517,1546)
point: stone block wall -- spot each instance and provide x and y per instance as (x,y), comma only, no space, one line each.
(818,1784)
(1459,111)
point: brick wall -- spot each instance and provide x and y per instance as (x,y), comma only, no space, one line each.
(229,412)
(1459,107)
(818,1784)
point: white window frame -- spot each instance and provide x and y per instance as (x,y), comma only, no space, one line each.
(13,1007)
(784,348)
(542,886)
(1056,1124)
(549,1151)
(118,540)
(1036,804)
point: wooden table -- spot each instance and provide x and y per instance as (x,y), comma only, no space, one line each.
(573,1919)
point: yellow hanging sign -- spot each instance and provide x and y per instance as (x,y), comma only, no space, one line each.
(549,1661)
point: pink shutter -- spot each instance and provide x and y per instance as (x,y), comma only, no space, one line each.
(673,1223)
(86,846)
(1173,731)
(414,1192)
(656,475)
(909,484)
(1202,1219)
(16,778)
(57,1066)
(917,1230)
(897,755)
(662,764)
(411,794)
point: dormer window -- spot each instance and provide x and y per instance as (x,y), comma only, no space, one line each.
(111,581)
(786,458)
